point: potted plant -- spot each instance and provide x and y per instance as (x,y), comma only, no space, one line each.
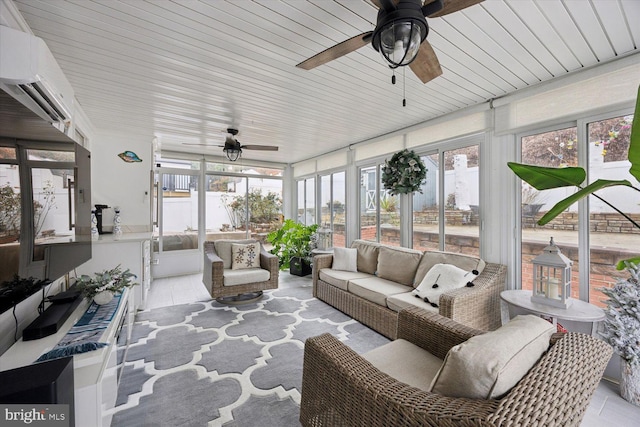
(293,244)
(104,285)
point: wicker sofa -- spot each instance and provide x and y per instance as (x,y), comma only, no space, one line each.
(386,277)
(342,388)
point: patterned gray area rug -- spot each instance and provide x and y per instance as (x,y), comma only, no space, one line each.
(208,364)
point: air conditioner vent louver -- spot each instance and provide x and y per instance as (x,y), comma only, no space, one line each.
(45,102)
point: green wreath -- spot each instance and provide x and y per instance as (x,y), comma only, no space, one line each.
(404,173)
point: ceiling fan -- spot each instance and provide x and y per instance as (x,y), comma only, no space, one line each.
(232,147)
(400,36)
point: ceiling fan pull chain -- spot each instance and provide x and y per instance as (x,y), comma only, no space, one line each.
(404,87)
(393,76)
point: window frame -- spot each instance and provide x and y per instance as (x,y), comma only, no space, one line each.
(584,244)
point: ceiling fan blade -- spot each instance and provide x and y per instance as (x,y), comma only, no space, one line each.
(426,65)
(260,147)
(201,144)
(335,52)
(451,6)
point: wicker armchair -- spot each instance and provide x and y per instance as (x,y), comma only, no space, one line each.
(235,286)
(340,388)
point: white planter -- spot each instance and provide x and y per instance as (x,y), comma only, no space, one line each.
(103,297)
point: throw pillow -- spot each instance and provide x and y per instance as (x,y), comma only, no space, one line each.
(367,255)
(223,249)
(245,256)
(487,366)
(431,258)
(440,279)
(398,264)
(345,259)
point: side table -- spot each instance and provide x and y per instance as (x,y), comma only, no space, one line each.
(578,311)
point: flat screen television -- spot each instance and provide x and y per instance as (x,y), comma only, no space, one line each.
(45,213)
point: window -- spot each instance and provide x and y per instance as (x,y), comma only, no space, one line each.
(461,189)
(554,148)
(379,210)
(225,206)
(607,236)
(10,219)
(446,213)
(426,210)
(611,236)
(332,208)
(237,204)
(238,201)
(179,211)
(307,201)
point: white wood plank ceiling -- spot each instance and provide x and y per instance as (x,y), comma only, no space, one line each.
(186,70)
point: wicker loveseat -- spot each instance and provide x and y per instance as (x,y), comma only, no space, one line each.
(342,388)
(375,299)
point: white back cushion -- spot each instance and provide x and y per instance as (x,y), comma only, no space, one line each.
(487,366)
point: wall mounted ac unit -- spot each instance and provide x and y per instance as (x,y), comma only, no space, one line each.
(30,74)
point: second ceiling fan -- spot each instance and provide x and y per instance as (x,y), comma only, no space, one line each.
(232,147)
(400,36)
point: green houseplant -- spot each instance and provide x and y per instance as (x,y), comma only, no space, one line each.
(105,284)
(293,244)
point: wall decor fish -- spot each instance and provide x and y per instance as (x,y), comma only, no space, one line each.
(129,156)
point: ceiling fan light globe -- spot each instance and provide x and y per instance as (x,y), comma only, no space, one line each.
(232,153)
(400,43)
(399,32)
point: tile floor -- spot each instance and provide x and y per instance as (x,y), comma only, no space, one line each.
(607,408)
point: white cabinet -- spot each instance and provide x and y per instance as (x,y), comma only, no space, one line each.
(130,250)
(95,372)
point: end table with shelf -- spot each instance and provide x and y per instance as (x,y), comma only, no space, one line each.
(578,311)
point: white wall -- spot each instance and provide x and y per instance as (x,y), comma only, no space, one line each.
(117,183)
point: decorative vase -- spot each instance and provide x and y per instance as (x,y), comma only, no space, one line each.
(117,227)
(103,297)
(630,382)
(94,226)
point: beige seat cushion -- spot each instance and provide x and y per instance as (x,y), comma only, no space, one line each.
(375,289)
(399,301)
(367,260)
(340,278)
(223,249)
(418,367)
(247,275)
(487,366)
(431,258)
(398,264)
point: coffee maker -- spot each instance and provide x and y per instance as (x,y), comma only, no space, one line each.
(99,209)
